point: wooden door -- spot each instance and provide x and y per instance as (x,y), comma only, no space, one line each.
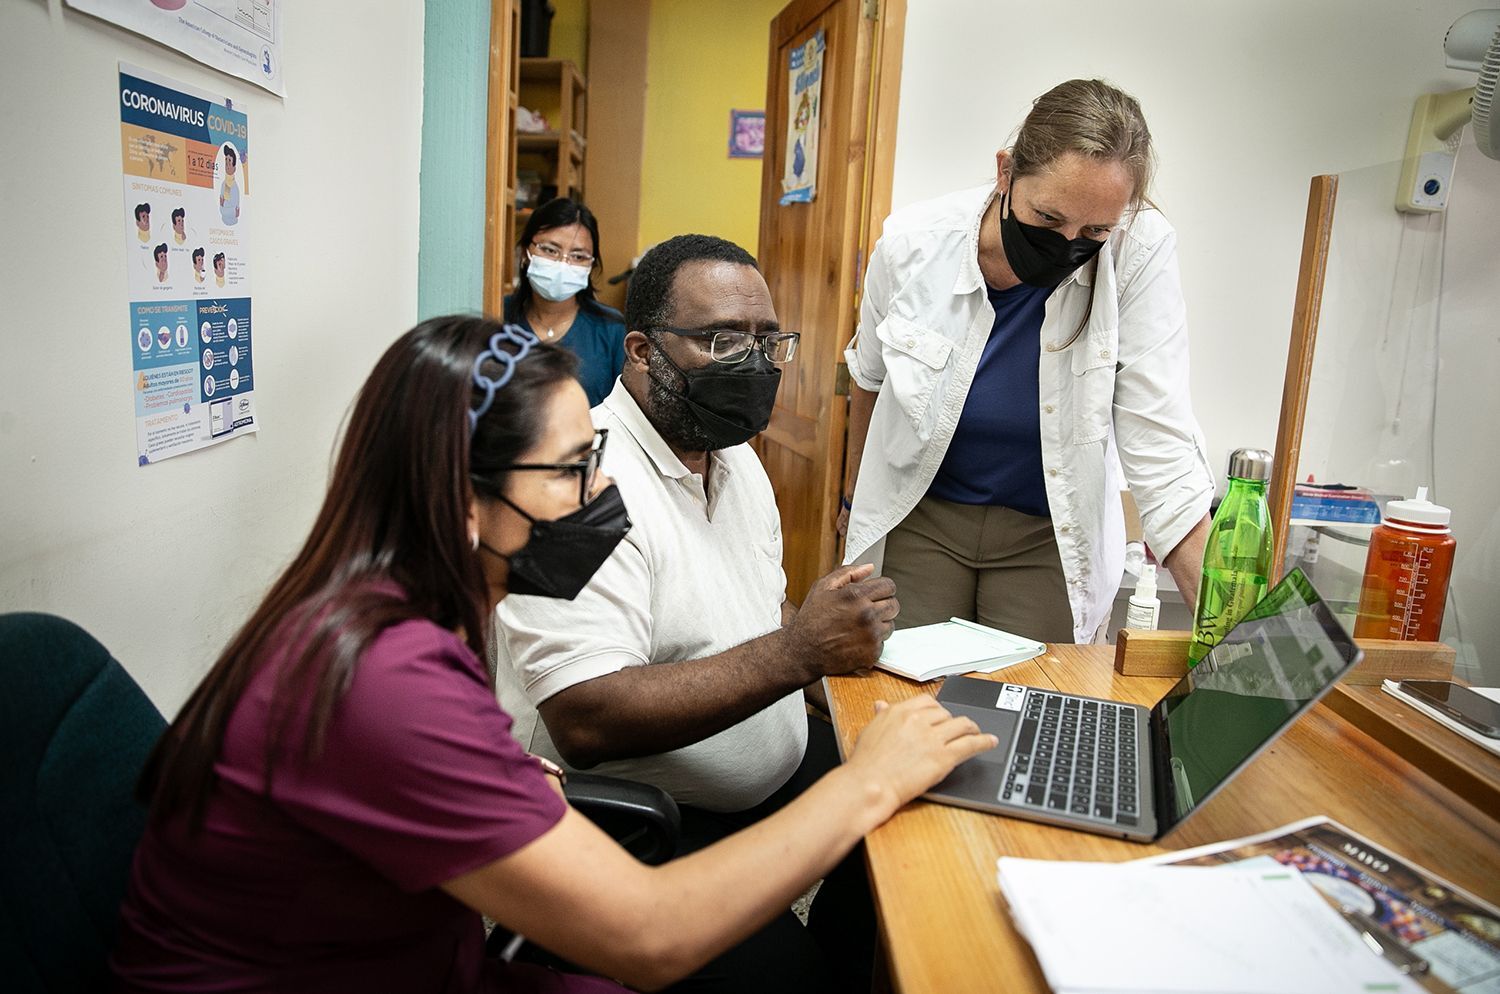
(619,32)
(813,255)
(500,173)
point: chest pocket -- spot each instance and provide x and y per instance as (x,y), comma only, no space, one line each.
(914,361)
(1093,384)
(767,559)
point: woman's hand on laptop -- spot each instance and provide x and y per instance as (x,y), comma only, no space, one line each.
(910,746)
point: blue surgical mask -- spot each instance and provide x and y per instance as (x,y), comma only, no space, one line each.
(555,280)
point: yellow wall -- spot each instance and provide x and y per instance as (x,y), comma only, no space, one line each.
(705,58)
(569,38)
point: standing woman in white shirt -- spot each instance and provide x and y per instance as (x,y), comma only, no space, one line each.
(1019,345)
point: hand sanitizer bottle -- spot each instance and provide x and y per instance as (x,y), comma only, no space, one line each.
(1145,607)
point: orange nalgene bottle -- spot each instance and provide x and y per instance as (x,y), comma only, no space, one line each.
(1406,572)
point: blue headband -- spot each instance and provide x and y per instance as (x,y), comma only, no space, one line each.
(516,335)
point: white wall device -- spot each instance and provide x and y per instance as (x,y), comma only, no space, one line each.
(1437,119)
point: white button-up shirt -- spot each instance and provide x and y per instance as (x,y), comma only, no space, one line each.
(1113,382)
(698,573)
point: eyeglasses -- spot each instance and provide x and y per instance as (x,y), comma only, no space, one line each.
(587,468)
(574,257)
(735,346)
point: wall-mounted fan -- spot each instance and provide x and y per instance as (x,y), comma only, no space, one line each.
(1437,119)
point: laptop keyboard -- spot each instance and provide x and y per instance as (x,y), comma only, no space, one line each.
(1075,756)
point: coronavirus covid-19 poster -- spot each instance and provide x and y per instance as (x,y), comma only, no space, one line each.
(186,219)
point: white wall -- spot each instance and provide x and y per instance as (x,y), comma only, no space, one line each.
(162,563)
(1466,473)
(1246,101)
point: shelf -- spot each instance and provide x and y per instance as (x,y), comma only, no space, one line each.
(551,71)
(555,157)
(523,214)
(548,141)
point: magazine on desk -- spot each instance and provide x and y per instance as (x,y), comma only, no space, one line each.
(1457,933)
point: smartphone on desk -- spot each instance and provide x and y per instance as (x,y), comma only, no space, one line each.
(1463,705)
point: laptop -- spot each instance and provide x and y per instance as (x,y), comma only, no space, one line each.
(1136,772)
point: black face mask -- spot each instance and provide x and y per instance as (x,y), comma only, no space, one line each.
(562,556)
(1041,256)
(730,403)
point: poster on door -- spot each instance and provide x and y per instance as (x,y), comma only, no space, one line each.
(185,219)
(799,180)
(240,37)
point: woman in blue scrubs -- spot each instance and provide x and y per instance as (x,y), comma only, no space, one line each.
(559,250)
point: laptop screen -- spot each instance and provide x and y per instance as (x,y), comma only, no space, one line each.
(1285,654)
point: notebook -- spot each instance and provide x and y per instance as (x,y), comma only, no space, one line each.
(953,646)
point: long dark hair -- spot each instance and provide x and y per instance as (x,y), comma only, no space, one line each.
(396,516)
(557,213)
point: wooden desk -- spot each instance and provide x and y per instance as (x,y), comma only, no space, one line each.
(1471,772)
(943,922)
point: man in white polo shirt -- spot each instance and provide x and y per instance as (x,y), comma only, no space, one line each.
(681,663)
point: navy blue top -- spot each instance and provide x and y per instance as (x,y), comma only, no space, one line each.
(995,457)
(597,337)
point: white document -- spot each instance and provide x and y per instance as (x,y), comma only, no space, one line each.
(239,37)
(1393,688)
(1127,927)
(953,646)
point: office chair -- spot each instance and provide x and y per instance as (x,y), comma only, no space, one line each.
(641,818)
(75,731)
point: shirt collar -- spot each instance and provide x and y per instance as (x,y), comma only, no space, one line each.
(971,279)
(623,406)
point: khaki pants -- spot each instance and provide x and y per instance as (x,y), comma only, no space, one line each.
(992,565)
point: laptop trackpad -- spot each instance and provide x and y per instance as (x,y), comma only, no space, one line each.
(982,776)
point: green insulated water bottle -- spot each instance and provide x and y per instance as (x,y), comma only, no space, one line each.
(1237,556)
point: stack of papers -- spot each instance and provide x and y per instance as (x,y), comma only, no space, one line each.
(1393,688)
(954,646)
(1118,928)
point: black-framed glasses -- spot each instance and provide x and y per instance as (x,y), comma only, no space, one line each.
(725,345)
(573,257)
(587,468)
